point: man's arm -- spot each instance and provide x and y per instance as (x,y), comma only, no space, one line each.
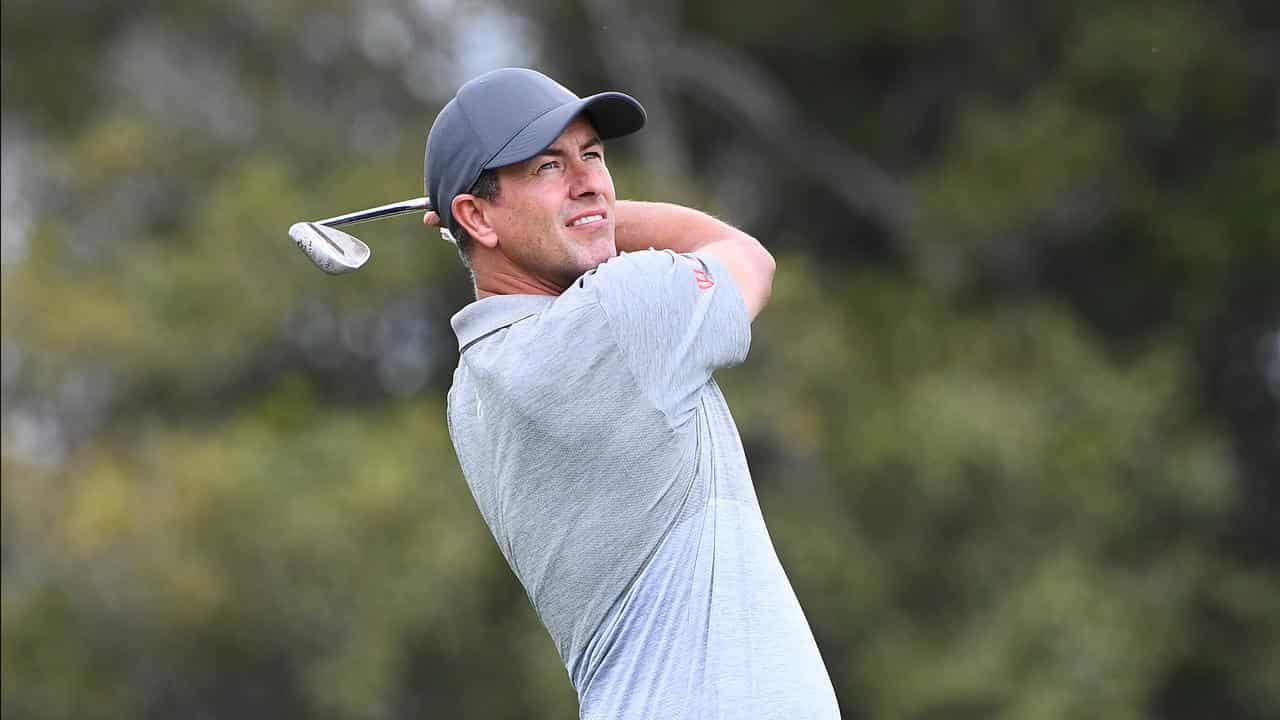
(662,226)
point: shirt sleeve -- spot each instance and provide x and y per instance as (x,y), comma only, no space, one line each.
(676,318)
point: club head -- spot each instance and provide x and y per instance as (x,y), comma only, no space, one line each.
(332,250)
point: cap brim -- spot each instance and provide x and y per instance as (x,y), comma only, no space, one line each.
(613,114)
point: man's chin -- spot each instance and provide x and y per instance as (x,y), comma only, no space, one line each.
(597,254)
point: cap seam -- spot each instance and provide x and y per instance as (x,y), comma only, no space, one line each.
(516,134)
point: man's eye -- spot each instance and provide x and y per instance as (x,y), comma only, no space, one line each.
(593,155)
(548,166)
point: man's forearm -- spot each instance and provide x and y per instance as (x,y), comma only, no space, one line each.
(664,226)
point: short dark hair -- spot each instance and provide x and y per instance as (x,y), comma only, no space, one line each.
(485,187)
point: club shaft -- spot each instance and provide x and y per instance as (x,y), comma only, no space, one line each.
(421,204)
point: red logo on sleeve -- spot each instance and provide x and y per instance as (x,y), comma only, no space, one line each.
(700,276)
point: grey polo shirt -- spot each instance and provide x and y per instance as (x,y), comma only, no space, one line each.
(603,457)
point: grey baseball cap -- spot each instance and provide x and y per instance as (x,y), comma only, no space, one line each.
(507,116)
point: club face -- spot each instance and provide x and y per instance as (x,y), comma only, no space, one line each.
(332,250)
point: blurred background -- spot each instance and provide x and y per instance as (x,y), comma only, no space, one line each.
(1013,413)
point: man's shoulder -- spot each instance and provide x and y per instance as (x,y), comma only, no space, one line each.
(546,349)
(559,371)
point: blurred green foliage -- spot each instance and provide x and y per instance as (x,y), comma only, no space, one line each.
(1018,452)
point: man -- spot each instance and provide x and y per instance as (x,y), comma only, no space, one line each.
(596,444)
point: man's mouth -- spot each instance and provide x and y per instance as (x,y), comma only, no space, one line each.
(586,219)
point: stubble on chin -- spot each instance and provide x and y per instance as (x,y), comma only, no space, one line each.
(598,255)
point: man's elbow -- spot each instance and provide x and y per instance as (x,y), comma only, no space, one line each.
(763,267)
(767,265)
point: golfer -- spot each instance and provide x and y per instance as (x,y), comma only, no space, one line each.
(597,446)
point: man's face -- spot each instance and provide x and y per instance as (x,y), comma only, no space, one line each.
(554,212)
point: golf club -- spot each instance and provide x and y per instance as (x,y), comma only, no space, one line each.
(336,252)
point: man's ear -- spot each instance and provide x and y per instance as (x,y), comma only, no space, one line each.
(472,214)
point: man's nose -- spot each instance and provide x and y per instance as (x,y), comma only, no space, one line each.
(587,179)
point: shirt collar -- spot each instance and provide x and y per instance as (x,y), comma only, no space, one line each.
(495,312)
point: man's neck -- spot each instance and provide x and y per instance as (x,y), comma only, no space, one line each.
(508,281)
